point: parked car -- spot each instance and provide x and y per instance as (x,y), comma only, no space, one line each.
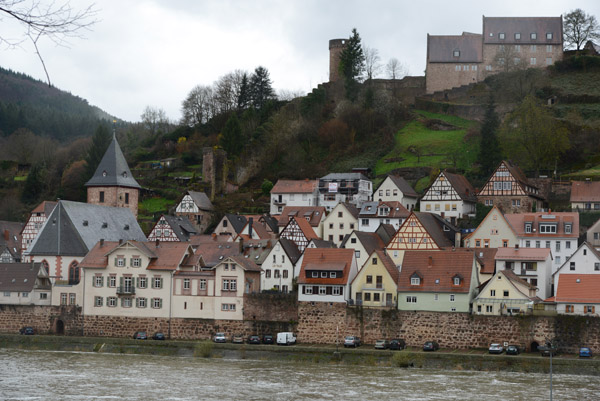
(27,330)
(382,344)
(351,341)
(237,339)
(546,351)
(220,338)
(286,338)
(253,340)
(268,339)
(496,349)
(140,335)
(158,336)
(397,344)
(513,350)
(431,346)
(585,352)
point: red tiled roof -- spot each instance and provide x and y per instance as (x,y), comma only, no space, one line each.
(165,256)
(487,257)
(389,264)
(585,191)
(578,288)
(517,222)
(306,228)
(462,186)
(315,213)
(523,253)
(437,271)
(295,186)
(326,259)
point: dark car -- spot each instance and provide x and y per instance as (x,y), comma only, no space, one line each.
(397,344)
(253,340)
(512,350)
(268,339)
(585,352)
(27,330)
(351,341)
(140,335)
(158,336)
(431,346)
(548,350)
(237,339)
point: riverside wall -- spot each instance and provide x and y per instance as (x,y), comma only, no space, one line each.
(325,323)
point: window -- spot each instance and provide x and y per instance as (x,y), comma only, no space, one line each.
(533,48)
(505,243)
(202,284)
(537,244)
(74,273)
(43,295)
(549,35)
(557,260)
(141,302)
(157,282)
(568,229)
(547,244)
(456,280)
(527,244)
(98,281)
(111,301)
(337,291)
(98,301)
(285,273)
(436,297)
(268,273)
(411,299)
(308,290)
(492,293)
(572,266)
(126,302)
(548,60)
(156,303)
(589,309)
(533,36)
(528,227)
(501,36)
(120,261)
(549,49)
(415,281)
(517,48)
(186,283)
(72,299)
(331,226)
(567,244)
(557,246)
(276,273)
(501,60)
(451,297)
(473,68)
(112,281)
(142,282)
(547,228)
(456,53)
(126,194)
(517,36)
(489,308)
(340,214)
(488,67)
(505,293)
(136,262)
(322,290)
(516,202)
(225,284)
(369,279)
(228,307)
(597,266)
(533,61)
(102,196)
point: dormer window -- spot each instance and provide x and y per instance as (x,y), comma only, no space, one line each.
(104,173)
(456,280)
(333,274)
(501,36)
(528,227)
(456,53)
(315,274)
(568,228)
(533,36)
(517,36)
(547,228)
(415,279)
(549,35)
(124,174)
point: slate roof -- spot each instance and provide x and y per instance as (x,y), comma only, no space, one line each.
(237,222)
(290,249)
(197,239)
(113,170)
(440,49)
(257,250)
(578,288)
(397,210)
(434,225)
(462,186)
(315,213)
(403,186)
(321,243)
(326,259)
(246,264)
(46,207)
(201,200)
(517,222)
(525,26)
(73,228)
(437,271)
(585,191)
(213,253)
(18,277)
(386,232)
(181,226)
(295,187)
(270,222)
(370,241)
(10,237)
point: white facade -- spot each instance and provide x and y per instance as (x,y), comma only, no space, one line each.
(562,248)
(388,191)
(339,223)
(585,260)
(318,292)
(281,200)
(536,270)
(353,188)
(278,270)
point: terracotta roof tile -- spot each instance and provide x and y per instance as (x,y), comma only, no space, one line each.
(462,186)
(487,258)
(165,256)
(523,253)
(295,186)
(306,228)
(314,213)
(585,191)
(517,222)
(578,288)
(324,257)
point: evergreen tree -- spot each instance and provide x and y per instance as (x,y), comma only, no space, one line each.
(352,64)
(243,100)
(100,142)
(261,89)
(34,184)
(490,154)
(232,139)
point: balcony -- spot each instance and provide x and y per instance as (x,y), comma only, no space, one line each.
(126,290)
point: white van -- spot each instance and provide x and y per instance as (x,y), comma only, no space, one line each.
(286,338)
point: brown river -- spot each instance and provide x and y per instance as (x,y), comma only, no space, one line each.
(44,375)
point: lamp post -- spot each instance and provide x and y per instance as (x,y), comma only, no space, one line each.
(550,349)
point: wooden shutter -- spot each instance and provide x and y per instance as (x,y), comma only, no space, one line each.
(121,282)
(102,281)
(116,261)
(131,262)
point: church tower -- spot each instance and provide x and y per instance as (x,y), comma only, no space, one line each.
(112,183)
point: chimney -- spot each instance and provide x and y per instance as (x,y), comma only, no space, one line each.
(430,261)
(157,243)
(120,241)
(241,245)
(101,241)
(250,221)
(6,235)
(516,247)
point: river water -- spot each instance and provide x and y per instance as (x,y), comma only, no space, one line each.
(43,375)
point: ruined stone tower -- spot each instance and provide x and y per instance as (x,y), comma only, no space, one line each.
(335,50)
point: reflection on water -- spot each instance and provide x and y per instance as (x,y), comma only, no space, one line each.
(43,375)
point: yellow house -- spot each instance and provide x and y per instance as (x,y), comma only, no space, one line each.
(342,220)
(494,231)
(505,294)
(375,284)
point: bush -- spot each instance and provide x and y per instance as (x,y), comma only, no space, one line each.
(203,349)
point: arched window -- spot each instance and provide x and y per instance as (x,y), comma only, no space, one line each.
(74,273)
(46,266)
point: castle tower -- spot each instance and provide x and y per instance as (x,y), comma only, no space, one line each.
(335,50)
(112,183)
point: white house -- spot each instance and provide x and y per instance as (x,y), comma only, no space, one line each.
(533,265)
(373,214)
(342,220)
(326,275)
(450,196)
(353,188)
(293,193)
(278,266)
(585,260)
(396,189)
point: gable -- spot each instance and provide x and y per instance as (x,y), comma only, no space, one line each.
(412,235)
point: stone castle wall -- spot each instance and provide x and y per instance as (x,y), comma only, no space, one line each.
(44,319)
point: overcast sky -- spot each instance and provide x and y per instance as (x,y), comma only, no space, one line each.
(152,53)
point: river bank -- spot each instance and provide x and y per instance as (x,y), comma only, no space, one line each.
(476,359)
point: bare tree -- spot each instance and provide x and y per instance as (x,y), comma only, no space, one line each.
(198,106)
(372,62)
(155,120)
(395,69)
(289,95)
(579,27)
(509,58)
(57,21)
(227,91)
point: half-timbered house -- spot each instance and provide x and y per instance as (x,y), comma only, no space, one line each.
(315,215)
(299,231)
(172,229)
(24,284)
(450,196)
(231,225)
(510,190)
(278,266)
(36,220)
(10,241)
(197,208)
(422,232)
